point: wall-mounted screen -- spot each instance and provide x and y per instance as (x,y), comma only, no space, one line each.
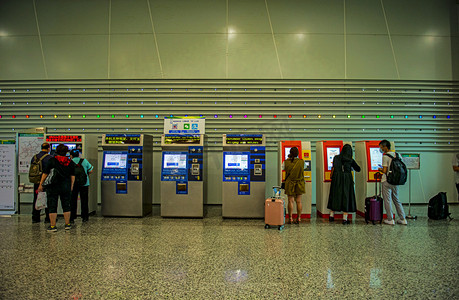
(115,161)
(331,153)
(174,161)
(375,159)
(236,161)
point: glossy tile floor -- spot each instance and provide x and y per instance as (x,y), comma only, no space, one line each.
(211,258)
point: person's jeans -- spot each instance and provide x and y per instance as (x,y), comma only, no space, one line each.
(36,213)
(84,199)
(390,193)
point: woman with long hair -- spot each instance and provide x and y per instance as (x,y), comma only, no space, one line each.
(342,194)
(294,183)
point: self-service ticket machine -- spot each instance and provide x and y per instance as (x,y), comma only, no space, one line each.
(369,158)
(127,175)
(87,145)
(182,175)
(243,188)
(304,149)
(325,152)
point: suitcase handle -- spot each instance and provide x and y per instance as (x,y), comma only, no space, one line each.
(276,189)
(377,176)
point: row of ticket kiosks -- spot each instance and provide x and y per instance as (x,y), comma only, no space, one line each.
(127,176)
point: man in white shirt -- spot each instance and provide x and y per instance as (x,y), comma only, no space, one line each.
(456,171)
(389,191)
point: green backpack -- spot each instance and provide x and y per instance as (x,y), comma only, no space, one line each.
(36,169)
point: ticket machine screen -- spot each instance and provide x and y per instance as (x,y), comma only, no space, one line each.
(375,159)
(71,146)
(174,161)
(287,152)
(331,153)
(115,161)
(236,162)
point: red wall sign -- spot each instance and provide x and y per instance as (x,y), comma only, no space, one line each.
(63,138)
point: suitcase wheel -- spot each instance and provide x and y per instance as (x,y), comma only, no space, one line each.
(266,226)
(281,227)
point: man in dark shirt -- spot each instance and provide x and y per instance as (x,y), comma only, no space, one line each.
(45,149)
(61,185)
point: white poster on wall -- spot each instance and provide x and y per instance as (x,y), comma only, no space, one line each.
(29,145)
(7,175)
(184,125)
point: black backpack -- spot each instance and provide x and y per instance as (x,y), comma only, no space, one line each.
(80,174)
(438,207)
(397,174)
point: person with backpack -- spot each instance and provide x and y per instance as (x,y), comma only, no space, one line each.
(61,172)
(392,177)
(82,170)
(342,194)
(456,171)
(37,165)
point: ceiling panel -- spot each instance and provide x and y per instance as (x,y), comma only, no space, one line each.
(73,17)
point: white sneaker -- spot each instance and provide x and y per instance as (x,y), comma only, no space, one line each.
(402,222)
(387,222)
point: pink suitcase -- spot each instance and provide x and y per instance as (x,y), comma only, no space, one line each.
(275,210)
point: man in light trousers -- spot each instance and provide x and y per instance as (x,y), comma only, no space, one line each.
(389,191)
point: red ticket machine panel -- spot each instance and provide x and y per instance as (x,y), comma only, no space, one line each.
(374,159)
(285,151)
(331,148)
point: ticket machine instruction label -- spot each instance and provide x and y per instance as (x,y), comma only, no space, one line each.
(238,139)
(182,139)
(123,139)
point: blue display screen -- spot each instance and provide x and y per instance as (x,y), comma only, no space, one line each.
(236,163)
(174,163)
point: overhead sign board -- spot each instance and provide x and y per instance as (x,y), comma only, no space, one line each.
(184,125)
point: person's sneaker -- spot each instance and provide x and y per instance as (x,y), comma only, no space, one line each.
(47,221)
(402,222)
(68,226)
(35,221)
(387,222)
(52,228)
(331,219)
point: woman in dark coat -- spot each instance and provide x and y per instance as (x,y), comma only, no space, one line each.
(342,195)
